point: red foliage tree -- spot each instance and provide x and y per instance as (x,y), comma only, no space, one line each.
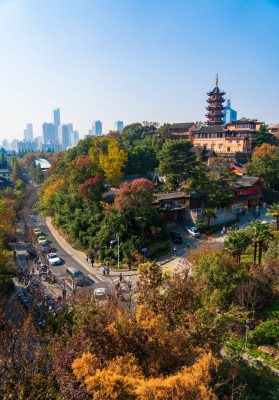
(91,189)
(81,170)
(132,195)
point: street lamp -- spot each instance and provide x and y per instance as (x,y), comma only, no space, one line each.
(111,243)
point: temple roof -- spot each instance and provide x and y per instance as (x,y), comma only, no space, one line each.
(216,90)
(211,129)
(182,125)
(246,181)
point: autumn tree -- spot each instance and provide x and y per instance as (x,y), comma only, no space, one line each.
(149,284)
(265,165)
(113,163)
(91,190)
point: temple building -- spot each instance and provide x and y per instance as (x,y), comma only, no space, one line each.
(215,107)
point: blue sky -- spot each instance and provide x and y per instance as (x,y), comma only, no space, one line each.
(134,60)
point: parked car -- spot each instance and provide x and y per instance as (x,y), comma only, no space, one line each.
(192,230)
(53,259)
(41,239)
(101,297)
(176,237)
(74,275)
(44,246)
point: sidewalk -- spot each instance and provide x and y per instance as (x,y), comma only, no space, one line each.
(80,257)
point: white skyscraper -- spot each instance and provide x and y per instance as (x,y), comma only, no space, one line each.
(74,138)
(28,133)
(56,121)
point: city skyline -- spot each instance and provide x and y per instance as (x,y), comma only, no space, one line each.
(104,74)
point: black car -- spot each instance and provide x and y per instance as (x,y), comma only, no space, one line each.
(176,237)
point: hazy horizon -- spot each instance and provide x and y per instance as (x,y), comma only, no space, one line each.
(134,61)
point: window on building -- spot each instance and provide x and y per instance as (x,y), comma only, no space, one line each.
(230,141)
(238,141)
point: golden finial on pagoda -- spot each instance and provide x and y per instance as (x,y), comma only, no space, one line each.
(216,82)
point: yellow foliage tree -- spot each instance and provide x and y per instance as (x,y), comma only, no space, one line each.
(123,379)
(113,163)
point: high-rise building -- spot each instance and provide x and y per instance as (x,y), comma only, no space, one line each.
(64,136)
(48,131)
(28,132)
(229,114)
(97,128)
(5,144)
(13,144)
(74,138)
(56,121)
(118,126)
(70,130)
(90,132)
(215,107)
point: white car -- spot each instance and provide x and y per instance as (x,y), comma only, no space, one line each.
(193,231)
(101,297)
(53,259)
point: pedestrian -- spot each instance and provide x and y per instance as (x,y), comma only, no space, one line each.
(254,219)
(222,232)
(108,271)
(249,220)
(174,250)
(92,262)
(189,245)
(228,231)
(87,259)
(129,265)
(104,271)
(121,277)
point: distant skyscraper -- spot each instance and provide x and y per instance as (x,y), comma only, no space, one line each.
(28,132)
(97,128)
(48,131)
(13,144)
(56,121)
(118,126)
(229,114)
(90,132)
(70,129)
(74,138)
(5,144)
(64,136)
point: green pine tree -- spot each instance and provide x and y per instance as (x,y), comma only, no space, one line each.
(16,171)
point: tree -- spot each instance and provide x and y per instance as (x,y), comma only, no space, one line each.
(237,242)
(265,165)
(113,163)
(16,172)
(92,189)
(176,162)
(273,210)
(259,233)
(261,136)
(220,184)
(163,132)
(200,174)
(209,213)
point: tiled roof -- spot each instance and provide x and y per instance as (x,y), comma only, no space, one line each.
(182,125)
(246,181)
(211,129)
(5,182)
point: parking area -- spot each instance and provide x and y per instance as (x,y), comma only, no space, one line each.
(188,241)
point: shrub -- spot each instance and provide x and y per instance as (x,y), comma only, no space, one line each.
(265,333)
(202,226)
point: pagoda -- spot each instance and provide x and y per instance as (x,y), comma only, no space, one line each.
(215,106)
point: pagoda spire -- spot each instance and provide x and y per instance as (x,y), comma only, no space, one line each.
(215,107)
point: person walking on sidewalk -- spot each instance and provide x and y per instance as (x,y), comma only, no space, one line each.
(174,251)
(104,271)
(92,262)
(108,271)
(121,277)
(87,259)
